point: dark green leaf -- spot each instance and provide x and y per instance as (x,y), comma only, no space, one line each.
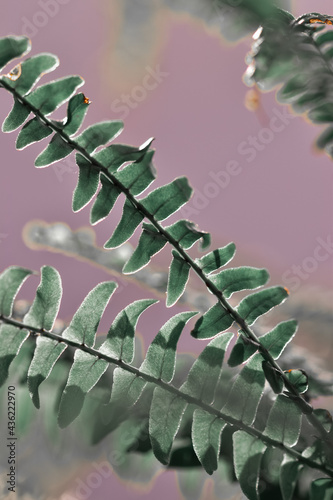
(87,183)
(45,307)
(119,343)
(11,340)
(32,70)
(206,371)
(150,243)
(46,354)
(161,356)
(273,377)
(166,200)
(186,234)
(112,157)
(284,421)
(55,151)
(206,438)
(139,175)
(16,117)
(324,417)
(323,38)
(299,379)
(76,111)
(242,350)
(239,278)
(212,261)
(85,373)
(178,277)
(165,417)
(12,47)
(33,131)
(288,477)
(214,321)
(260,303)
(325,139)
(11,281)
(99,134)
(322,489)
(47,98)
(322,113)
(84,324)
(130,220)
(246,392)
(105,200)
(248,453)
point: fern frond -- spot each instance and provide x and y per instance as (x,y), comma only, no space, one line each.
(157,206)
(292,53)
(167,404)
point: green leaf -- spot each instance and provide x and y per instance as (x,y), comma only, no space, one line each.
(216,259)
(99,134)
(46,354)
(214,321)
(32,70)
(84,324)
(274,341)
(12,47)
(242,350)
(126,390)
(11,281)
(119,343)
(322,489)
(324,417)
(260,303)
(150,243)
(246,392)
(206,439)
(273,377)
(277,339)
(45,307)
(105,200)
(139,175)
(299,379)
(284,421)
(57,149)
(115,155)
(325,139)
(289,470)
(186,234)
(161,355)
(87,183)
(16,117)
(206,371)
(178,277)
(129,221)
(47,98)
(166,200)
(76,111)
(11,340)
(248,453)
(322,113)
(85,373)
(165,417)
(323,38)
(239,278)
(33,131)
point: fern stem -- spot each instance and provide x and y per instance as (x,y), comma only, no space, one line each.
(245,329)
(173,390)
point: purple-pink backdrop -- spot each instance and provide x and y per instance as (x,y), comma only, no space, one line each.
(259,181)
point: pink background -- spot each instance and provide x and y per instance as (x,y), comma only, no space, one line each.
(274,210)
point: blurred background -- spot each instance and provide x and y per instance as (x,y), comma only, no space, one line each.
(164,68)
